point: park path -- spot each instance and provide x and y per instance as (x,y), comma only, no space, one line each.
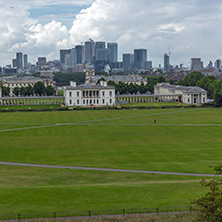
(108,170)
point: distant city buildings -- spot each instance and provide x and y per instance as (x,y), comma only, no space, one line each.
(196,64)
(166,63)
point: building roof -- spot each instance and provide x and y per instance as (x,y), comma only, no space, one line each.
(182,88)
(89,86)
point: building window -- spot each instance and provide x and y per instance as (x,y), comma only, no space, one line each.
(103,101)
(188,100)
(94,101)
(78,94)
(84,101)
(97,101)
(110,101)
(103,93)
(110,93)
(70,102)
(77,101)
(70,94)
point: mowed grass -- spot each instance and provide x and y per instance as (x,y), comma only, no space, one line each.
(35,190)
(120,139)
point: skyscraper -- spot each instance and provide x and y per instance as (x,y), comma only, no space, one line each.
(166,66)
(196,64)
(140,58)
(79,54)
(112,52)
(25,60)
(128,60)
(41,61)
(19,59)
(63,52)
(89,50)
(217,64)
(100,51)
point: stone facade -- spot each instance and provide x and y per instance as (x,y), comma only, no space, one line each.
(89,95)
(189,94)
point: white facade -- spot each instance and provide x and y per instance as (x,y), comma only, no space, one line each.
(189,94)
(89,95)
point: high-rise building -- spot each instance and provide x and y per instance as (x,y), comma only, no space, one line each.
(63,52)
(217,64)
(14,63)
(25,60)
(140,58)
(19,58)
(128,60)
(79,54)
(196,64)
(100,51)
(166,66)
(112,52)
(41,61)
(89,50)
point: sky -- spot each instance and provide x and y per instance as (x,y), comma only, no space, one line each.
(188,28)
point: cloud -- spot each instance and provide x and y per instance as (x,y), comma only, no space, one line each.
(191,27)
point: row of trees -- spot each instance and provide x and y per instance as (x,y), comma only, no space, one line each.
(38,89)
(209,83)
(124,88)
(67,77)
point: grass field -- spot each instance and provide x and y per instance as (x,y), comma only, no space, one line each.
(182,140)
(155,104)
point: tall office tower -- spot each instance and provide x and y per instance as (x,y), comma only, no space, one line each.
(41,61)
(63,52)
(149,65)
(100,51)
(128,60)
(210,65)
(217,64)
(140,58)
(89,50)
(112,52)
(19,60)
(166,66)
(79,54)
(196,64)
(25,60)
(14,63)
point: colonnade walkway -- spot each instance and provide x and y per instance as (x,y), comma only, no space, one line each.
(34,100)
(148,98)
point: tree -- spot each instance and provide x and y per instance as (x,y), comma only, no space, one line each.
(16,91)
(50,90)
(210,204)
(22,91)
(39,88)
(5,90)
(101,79)
(29,90)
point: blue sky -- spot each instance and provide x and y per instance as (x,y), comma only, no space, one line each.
(191,28)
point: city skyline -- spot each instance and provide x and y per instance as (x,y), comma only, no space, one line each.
(41,29)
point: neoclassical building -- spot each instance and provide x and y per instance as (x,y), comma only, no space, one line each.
(11,81)
(188,94)
(89,94)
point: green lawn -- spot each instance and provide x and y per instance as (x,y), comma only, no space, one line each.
(121,139)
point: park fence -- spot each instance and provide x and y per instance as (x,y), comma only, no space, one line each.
(94,213)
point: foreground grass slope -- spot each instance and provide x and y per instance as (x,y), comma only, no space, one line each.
(121,139)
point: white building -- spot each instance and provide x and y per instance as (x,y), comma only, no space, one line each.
(89,95)
(189,94)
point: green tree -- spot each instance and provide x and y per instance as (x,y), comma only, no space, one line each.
(161,79)
(16,91)
(39,88)
(22,91)
(29,90)
(101,79)
(5,90)
(50,90)
(210,204)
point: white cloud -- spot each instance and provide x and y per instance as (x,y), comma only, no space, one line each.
(190,27)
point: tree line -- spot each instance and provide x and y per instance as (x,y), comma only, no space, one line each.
(38,89)
(124,88)
(209,83)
